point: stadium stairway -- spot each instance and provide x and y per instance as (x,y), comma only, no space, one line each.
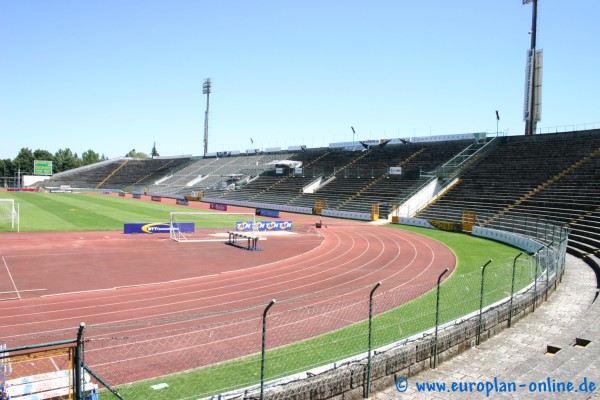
(378,180)
(120,167)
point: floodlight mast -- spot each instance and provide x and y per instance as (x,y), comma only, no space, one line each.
(531,122)
(206,87)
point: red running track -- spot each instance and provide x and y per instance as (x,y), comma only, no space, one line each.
(147,300)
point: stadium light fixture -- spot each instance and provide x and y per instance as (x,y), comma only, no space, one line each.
(206,89)
(497,120)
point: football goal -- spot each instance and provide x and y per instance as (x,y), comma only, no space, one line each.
(206,227)
(9,215)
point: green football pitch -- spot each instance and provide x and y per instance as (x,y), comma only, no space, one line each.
(44,212)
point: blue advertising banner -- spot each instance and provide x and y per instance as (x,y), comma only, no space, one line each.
(264,225)
(182,202)
(158,227)
(136,195)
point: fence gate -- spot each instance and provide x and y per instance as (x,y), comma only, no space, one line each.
(319,206)
(45,371)
(374,212)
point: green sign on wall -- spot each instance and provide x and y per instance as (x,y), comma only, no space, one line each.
(42,167)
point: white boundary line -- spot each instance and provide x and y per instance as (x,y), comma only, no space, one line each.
(25,290)
(129,286)
(11,279)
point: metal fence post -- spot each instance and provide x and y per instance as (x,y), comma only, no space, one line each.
(437,314)
(561,263)
(563,236)
(78,373)
(535,276)
(368,388)
(548,250)
(263,350)
(103,382)
(481,301)
(512,289)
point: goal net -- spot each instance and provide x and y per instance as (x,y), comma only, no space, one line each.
(206,227)
(9,215)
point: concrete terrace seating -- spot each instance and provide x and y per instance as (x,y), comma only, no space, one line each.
(573,199)
(85,177)
(357,191)
(283,190)
(550,177)
(334,193)
(251,190)
(139,172)
(513,170)
(386,192)
(116,174)
(216,171)
(270,181)
(179,179)
(355,180)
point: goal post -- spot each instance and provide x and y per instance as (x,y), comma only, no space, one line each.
(9,215)
(208,226)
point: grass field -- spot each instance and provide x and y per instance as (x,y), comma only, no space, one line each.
(67,212)
(43,212)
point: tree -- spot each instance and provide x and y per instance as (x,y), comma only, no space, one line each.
(6,171)
(66,160)
(6,167)
(154,152)
(135,154)
(43,155)
(24,161)
(89,157)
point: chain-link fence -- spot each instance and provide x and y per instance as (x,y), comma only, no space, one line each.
(315,347)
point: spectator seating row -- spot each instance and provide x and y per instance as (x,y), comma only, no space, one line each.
(354,180)
(217,172)
(122,173)
(550,177)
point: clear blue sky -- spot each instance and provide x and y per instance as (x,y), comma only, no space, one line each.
(114,75)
